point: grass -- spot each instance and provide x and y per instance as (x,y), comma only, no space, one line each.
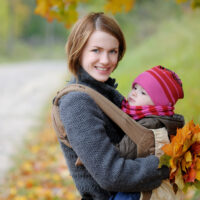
(177,47)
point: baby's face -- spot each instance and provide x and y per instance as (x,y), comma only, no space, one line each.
(139,97)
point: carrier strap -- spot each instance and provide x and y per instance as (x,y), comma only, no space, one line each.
(141,136)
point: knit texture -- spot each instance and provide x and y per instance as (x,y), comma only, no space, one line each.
(162,85)
(139,112)
(91,134)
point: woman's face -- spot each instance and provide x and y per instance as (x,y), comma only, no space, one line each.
(100,55)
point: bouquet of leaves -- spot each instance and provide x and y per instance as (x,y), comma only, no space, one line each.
(182,156)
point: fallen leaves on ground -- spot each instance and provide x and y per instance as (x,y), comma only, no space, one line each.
(41,172)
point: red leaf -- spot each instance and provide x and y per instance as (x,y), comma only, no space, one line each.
(195,148)
(191,175)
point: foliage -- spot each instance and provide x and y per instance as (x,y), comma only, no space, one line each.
(116,6)
(41,172)
(193,3)
(142,22)
(13,15)
(26,36)
(62,10)
(66,10)
(184,153)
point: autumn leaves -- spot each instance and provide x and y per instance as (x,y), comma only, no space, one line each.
(183,156)
(41,172)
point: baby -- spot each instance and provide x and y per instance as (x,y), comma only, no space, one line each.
(151,103)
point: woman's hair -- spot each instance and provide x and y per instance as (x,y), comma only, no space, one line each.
(81,32)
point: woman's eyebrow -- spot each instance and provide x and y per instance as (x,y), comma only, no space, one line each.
(99,47)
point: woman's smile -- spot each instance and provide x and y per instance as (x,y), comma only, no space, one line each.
(101,68)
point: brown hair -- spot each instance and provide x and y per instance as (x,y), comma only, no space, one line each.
(81,32)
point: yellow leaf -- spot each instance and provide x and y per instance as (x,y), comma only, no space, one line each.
(184,151)
(20,198)
(188,156)
(117,6)
(198,163)
(179,179)
(35,148)
(196,137)
(27,166)
(183,165)
(56,177)
(70,196)
(13,191)
(198,175)
(173,165)
(42,7)
(20,184)
(129,5)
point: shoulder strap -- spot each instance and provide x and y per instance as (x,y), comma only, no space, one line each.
(134,130)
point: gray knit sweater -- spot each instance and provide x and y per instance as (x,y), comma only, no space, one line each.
(92,136)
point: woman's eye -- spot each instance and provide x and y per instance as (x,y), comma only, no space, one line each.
(113,51)
(95,50)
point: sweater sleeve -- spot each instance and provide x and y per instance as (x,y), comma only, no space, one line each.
(85,127)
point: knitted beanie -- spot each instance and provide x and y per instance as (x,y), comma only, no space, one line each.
(162,85)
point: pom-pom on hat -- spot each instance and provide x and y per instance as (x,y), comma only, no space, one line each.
(162,85)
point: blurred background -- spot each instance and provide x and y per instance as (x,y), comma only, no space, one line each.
(32,56)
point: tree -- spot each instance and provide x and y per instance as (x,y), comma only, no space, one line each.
(13,14)
(66,10)
(194,3)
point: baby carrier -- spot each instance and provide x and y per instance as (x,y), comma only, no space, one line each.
(141,136)
(144,138)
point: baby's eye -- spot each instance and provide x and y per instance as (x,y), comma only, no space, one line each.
(143,93)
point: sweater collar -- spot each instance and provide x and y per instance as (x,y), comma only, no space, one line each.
(107,88)
(83,76)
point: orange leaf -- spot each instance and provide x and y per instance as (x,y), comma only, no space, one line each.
(184,151)
(167,148)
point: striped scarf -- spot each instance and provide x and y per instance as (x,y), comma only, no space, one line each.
(139,112)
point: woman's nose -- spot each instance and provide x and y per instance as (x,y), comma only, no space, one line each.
(104,59)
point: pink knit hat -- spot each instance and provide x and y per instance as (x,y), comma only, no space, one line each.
(162,85)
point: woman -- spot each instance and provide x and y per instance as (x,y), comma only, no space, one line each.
(94,48)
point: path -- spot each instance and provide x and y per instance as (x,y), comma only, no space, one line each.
(25,88)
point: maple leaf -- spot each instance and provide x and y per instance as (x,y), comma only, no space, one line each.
(191,174)
(184,156)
